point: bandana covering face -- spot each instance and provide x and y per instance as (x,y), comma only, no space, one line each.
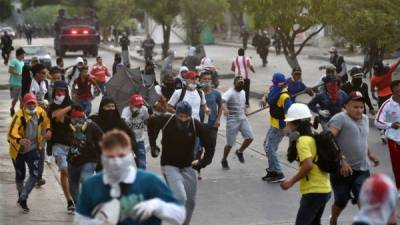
(333,91)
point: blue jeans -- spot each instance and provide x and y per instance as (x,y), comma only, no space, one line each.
(271,143)
(140,155)
(31,159)
(311,208)
(41,164)
(87,105)
(78,174)
(103,89)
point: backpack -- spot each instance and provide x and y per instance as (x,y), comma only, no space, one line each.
(328,152)
(276,111)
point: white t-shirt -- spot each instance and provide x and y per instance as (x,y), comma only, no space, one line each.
(137,124)
(192,97)
(236,103)
(40,90)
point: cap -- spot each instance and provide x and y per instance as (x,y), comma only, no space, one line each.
(356,72)
(355,96)
(184,107)
(30,98)
(332,49)
(60,84)
(77,113)
(79,60)
(137,100)
(191,75)
(278,79)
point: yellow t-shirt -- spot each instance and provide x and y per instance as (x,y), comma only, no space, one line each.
(316,181)
(280,103)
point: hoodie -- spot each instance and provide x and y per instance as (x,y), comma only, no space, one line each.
(278,95)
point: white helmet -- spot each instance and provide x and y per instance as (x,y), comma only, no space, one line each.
(79,60)
(298,111)
(333,49)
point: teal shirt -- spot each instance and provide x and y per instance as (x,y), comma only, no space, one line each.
(148,185)
(17,65)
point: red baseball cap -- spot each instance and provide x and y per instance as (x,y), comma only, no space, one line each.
(137,100)
(355,96)
(191,75)
(75,113)
(29,98)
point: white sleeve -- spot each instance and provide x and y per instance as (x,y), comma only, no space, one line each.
(145,113)
(84,220)
(227,95)
(203,98)
(175,97)
(157,88)
(381,120)
(344,69)
(125,115)
(171,213)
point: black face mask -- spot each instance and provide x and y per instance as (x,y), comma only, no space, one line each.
(108,114)
(183,125)
(356,82)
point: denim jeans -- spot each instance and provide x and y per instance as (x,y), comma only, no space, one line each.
(271,143)
(78,174)
(102,87)
(31,159)
(183,183)
(311,208)
(87,105)
(41,164)
(140,155)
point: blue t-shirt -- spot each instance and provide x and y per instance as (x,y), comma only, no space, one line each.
(214,101)
(17,65)
(148,185)
(295,87)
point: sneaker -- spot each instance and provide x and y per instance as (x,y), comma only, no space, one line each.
(12,112)
(240,156)
(23,205)
(70,207)
(225,165)
(269,176)
(40,182)
(279,177)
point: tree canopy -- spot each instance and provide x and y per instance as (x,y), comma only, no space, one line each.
(5,9)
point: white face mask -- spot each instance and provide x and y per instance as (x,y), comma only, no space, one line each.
(59,99)
(117,169)
(30,111)
(192,86)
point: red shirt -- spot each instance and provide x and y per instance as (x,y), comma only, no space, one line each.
(83,89)
(382,82)
(99,73)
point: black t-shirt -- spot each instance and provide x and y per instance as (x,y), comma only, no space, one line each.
(61,132)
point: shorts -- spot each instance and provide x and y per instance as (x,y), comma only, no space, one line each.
(15,92)
(60,153)
(346,188)
(233,127)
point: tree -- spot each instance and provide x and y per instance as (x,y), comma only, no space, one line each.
(289,19)
(114,12)
(35,3)
(5,9)
(373,24)
(42,15)
(197,14)
(164,13)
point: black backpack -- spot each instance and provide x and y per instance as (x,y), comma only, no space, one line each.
(328,152)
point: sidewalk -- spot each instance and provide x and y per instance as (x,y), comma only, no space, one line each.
(47,204)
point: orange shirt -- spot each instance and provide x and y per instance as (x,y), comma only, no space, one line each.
(382,82)
(99,73)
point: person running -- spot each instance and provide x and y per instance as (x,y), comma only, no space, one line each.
(295,84)
(29,128)
(135,116)
(207,66)
(350,129)
(148,46)
(100,73)
(82,90)
(178,134)
(315,187)
(233,103)
(241,66)
(124,194)
(61,139)
(387,120)
(125,42)
(76,70)
(15,80)
(211,120)
(40,85)
(338,61)
(27,75)
(330,101)
(381,80)
(378,200)
(6,47)
(279,102)
(117,63)
(85,150)
(357,84)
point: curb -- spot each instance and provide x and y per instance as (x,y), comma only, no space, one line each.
(326,58)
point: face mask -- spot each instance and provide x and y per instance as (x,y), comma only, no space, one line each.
(206,84)
(78,126)
(357,82)
(192,86)
(30,111)
(135,111)
(108,114)
(117,169)
(183,125)
(333,91)
(58,99)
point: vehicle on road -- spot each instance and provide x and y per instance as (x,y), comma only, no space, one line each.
(38,51)
(77,34)
(10,31)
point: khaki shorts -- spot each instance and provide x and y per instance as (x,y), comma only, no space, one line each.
(15,92)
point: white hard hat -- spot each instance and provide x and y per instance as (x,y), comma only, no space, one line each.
(298,111)
(333,49)
(79,60)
